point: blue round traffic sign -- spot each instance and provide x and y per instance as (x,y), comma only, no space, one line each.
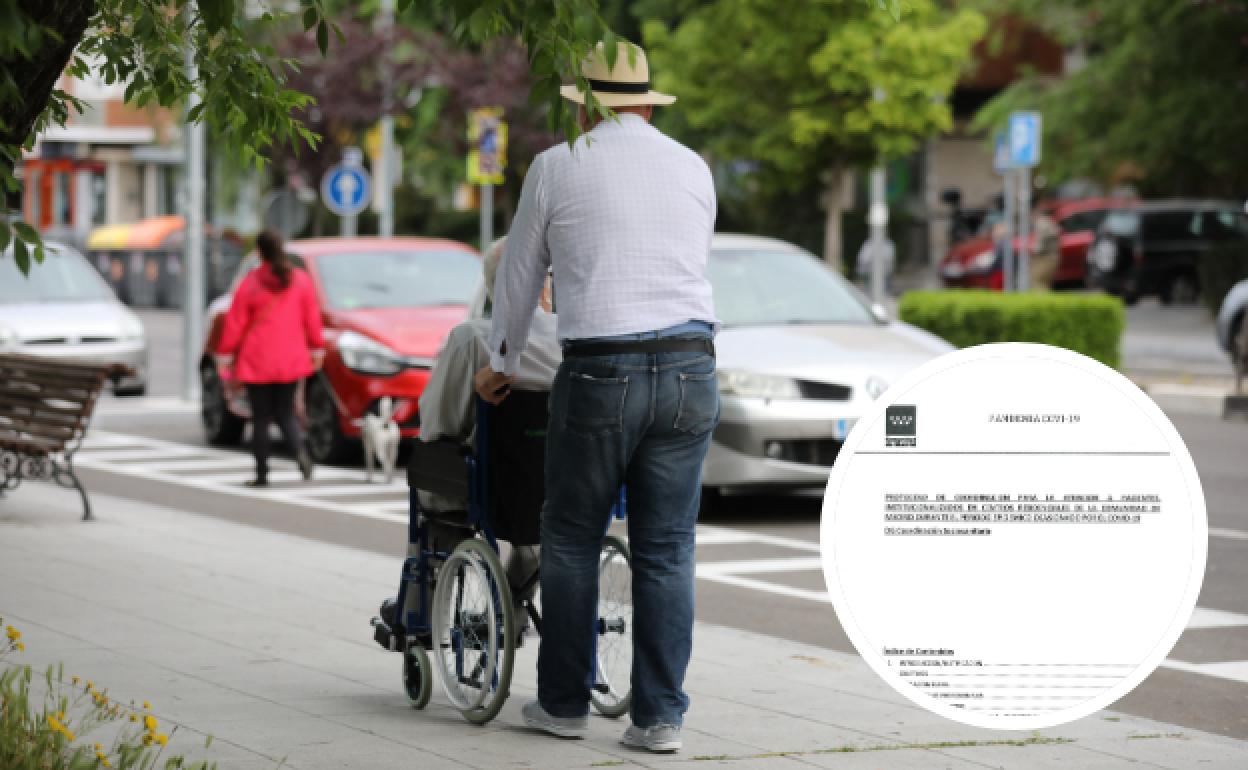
(346,189)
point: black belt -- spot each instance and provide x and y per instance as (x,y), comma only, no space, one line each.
(660,345)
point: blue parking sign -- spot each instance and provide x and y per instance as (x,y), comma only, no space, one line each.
(1023,139)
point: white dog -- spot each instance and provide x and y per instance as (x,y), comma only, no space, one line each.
(380,435)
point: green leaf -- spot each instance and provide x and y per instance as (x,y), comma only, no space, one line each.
(322,37)
(26,232)
(5,235)
(310,17)
(21,256)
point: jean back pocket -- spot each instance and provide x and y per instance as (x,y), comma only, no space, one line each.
(595,404)
(698,410)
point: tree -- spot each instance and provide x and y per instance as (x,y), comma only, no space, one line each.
(241,81)
(791,87)
(1158,103)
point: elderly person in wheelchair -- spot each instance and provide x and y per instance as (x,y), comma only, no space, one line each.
(448,412)
(475,481)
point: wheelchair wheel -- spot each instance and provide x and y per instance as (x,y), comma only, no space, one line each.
(474,631)
(612,691)
(417,676)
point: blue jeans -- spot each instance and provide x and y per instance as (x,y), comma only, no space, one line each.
(644,420)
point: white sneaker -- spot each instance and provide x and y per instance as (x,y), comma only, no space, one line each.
(661,737)
(565,727)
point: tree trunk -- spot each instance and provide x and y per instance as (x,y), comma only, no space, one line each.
(37,76)
(836,199)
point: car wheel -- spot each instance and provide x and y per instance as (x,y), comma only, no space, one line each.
(710,501)
(325,441)
(1181,289)
(221,426)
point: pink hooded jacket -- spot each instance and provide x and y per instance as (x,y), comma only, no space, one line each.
(271,331)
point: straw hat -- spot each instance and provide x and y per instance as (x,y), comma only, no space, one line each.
(627,85)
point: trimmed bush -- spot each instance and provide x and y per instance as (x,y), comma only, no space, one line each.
(1090,324)
(1219,269)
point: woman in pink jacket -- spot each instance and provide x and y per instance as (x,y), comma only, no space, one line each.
(272,339)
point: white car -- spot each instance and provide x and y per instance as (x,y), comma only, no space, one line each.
(63,309)
(801,353)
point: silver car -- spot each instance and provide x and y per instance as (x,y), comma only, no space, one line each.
(63,309)
(801,353)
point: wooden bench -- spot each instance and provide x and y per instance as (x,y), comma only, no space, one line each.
(45,407)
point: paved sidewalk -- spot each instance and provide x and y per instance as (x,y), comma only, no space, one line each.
(261,640)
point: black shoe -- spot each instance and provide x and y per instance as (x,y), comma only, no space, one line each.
(305,465)
(256,483)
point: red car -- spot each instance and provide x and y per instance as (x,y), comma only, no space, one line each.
(387,305)
(973,264)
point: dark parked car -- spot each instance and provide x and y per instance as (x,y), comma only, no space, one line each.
(1153,247)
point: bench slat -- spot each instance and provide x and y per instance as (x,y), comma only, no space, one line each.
(42,430)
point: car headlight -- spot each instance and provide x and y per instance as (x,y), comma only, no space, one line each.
(741,383)
(875,387)
(131,329)
(1104,255)
(368,356)
(984,259)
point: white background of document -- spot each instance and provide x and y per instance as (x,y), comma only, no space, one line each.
(1054,620)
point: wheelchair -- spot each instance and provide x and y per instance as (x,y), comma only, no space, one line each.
(463,622)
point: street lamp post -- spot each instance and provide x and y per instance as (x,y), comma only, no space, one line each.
(385,182)
(193,260)
(877,219)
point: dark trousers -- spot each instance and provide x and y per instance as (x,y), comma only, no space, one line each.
(269,402)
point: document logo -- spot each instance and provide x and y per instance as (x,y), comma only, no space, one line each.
(899,425)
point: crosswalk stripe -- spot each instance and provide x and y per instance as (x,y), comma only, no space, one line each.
(1235,670)
(1229,534)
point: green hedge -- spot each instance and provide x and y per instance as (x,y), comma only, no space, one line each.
(1090,324)
(1220,269)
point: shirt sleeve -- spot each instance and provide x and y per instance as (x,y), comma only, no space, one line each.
(237,319)
(446,402)
(521,274)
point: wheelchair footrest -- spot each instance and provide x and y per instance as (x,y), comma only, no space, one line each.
(386,637)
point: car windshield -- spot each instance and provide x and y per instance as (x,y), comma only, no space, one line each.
(63,276)
(1122,223)
(772,286)
(384,279)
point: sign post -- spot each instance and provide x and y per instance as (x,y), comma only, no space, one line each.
(346,189)
(1001,162)
(1024,146)
(487,133)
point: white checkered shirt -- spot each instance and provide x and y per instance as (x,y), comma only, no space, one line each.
(626,222)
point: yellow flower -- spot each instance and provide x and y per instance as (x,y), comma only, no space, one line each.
(21,647)
(69,736)
(147,739)
(162,739)
(147,705)
(99,747)
(12,633)
(55,723)
(150,722)
(90,685)
(134,717)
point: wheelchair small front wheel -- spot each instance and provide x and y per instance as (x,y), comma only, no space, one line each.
(417,676)
(613,659)
(474,630)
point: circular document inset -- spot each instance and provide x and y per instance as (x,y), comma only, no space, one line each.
(1014,536)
